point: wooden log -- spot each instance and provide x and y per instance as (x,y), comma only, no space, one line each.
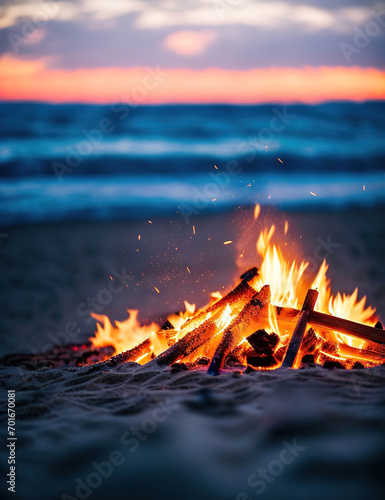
(233,334)
(130,355)
(347,327)
(362,354)
(187,344)
(242,292)
(311,342)
(286,316)
(237,355)
(138,351)
(263,343)
(289,360)
(198,330)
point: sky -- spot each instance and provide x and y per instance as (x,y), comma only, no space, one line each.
(153,51)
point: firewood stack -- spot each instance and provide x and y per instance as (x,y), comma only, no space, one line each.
(311,335)
(235,332)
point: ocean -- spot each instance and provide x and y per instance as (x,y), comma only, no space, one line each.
(90,162)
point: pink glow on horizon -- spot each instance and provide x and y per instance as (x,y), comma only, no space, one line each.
(32,80)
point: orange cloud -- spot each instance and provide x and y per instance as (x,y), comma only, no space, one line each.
(189,43)
(32,80)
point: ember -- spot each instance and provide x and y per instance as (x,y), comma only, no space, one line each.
(265,322)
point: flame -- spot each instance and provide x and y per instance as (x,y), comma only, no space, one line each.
(177,320)
(349,307)
(124,335)
(283,276)
(288,279)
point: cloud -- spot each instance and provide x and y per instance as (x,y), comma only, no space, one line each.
(88,33)
(273,14)
(189,43)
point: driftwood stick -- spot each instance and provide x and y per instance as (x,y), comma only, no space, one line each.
(362,354)
(233,334)
(286,316)
(359,330)
(187,344)
(138,351)
(198,330)
(299,330)
(130,355)
(311,342)
(242,292)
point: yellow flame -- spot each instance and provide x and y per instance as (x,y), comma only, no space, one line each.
(124,335)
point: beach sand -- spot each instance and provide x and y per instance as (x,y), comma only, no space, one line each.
(201,437)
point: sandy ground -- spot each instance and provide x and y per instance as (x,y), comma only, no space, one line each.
(130,432)
(145,434)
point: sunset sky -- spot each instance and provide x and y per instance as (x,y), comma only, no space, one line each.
(150,51)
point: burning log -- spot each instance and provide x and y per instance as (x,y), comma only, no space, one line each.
(200,330)
(299,330)
(286,316)
(263,343)
(347,327)
(243,292)
(186,345)
(138,351)
(260,362)
(232,335)
(130,355)
(363,354)
(311,343)
(237,355)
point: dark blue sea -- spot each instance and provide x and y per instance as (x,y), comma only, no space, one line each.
(68,162)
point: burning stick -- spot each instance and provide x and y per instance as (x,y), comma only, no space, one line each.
(232,335)
(311,342)
(286,315)
(299,330)
(365,332)
(186,345)
(199,329)
(362,354)
(138,351)
(130,355)
(242,291)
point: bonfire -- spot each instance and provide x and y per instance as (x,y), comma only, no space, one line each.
(275,317)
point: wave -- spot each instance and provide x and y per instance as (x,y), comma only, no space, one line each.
(83,198)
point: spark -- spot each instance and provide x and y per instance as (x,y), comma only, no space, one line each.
(227,242)
(286,227)
(257,211)
(157,289)
(215,167)
(188,269)
(194,229)
(311,192)
(279,159)
(214,199)
(150,221)
(363,187)
(139,237)
(266,148)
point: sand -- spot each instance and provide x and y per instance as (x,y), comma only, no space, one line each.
(200,437)
(192,436)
